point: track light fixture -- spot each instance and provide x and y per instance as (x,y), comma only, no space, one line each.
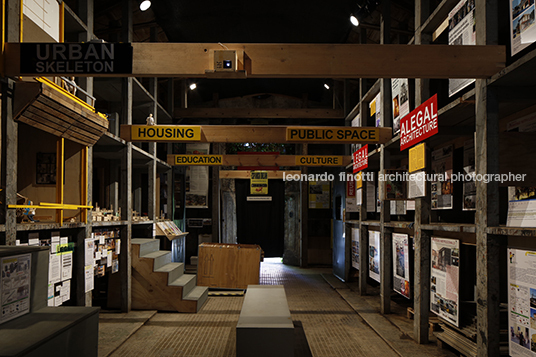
(193,86)
(354,20)
(144,5)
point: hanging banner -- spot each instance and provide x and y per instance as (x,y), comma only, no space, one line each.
(355,248)
(400,95)
(258,182)
(360,159)
(445,275)
(375,109)
(374,255)
(522,25)
(521,302)
(461,32)
(420,124)
(442,187)
(401,273)
(351,202)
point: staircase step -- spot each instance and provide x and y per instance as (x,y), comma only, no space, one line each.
(199,294)
(161,258)
(146,245)
(188,283)
(174,270)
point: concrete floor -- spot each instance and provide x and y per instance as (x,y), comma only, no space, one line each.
(330,320)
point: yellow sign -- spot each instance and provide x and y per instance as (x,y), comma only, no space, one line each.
(333,134)
(417,157)
(165,133)
(259,182)
(318,160)
(197,160)
(358,180)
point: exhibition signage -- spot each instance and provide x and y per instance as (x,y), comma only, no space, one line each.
(319,160)
(259,182)
(420,124)
(75,58)
(417,156)
(332,134)
(361,159)
(197,160)
(165,133)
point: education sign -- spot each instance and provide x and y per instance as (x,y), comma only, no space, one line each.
(197,160)
(420,124)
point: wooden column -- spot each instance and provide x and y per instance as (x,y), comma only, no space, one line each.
(386,120)
(421,274)
(304,247)
(217,149)
(363,242)
(126,174)
(153,211)
(487,194)
(9,160)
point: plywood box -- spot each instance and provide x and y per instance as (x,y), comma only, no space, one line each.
(232,266)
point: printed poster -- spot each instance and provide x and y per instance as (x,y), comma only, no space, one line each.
(375,110)
(355,122)
(355,248)
(374,255)
(15,286)
(258,183)
(197,178)
(521,302)
(469,186)
(522,27)
(401,273)
(442,188)
(461,32)
(400,94)
(319,194)
(445,274)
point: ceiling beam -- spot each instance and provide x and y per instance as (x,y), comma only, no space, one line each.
(195,60)
(259,113)
(246,174)
(270,160)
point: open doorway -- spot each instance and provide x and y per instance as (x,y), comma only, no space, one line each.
(261,222)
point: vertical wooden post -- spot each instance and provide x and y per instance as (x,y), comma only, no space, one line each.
(217,150)
(363,240)
(126,174)
(304,248)
(421,275)
(9,160)
(487,194)
(153,210)
(60,165)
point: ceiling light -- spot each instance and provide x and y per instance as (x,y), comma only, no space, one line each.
(354,20)
(145,4)
(193,86)
(326,85)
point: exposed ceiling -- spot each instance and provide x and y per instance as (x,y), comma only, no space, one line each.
(241,21)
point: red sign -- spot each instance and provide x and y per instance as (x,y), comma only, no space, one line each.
(350,188)
(361,159)
(420,124)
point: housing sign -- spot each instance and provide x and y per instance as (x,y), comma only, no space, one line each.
(420,124)
(521,302)
(165,133)
(75,58)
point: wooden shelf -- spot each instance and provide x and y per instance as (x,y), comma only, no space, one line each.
(352,221)
(512,231)
(450,227)
(400,224)
(45,226)
(371,223)
(439,15)
(521,73)
(372,92)
(143,222)
(109,223)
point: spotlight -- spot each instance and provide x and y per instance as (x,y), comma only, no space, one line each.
(354,20)
(193,86)
(145,4)
(326,86)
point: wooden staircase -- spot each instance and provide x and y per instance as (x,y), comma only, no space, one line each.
(159,284)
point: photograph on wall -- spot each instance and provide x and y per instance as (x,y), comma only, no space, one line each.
(375,110)
(469,186)
(45,169)
(374,255)
(15,286)
(441,186)
(400,95)
(461,32)
(355,122)
(319,194)
(401,273)
(395,185)
(197,178)
(444,279)
(521,302)
(355,248)
(522,28)
(371,195)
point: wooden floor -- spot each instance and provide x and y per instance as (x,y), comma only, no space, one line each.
(326,324)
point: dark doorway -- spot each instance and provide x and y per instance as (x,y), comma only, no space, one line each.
(261,222)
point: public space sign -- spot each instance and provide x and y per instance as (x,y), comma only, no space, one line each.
(334,134)
(420,124)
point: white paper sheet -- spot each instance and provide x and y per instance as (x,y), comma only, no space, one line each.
(67,266)
(89,277)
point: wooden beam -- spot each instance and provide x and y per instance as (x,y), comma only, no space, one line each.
(246,174)
(195,60)
(266,160)
(259,113)
(263,134)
